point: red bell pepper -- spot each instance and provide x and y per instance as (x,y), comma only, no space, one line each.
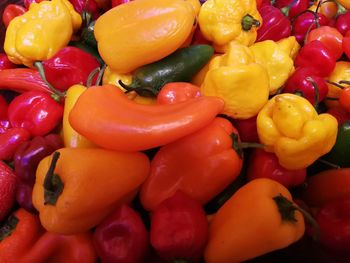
(262,164)
(122,237)
(175,92)
(291,8)
(86,6)
(247,129)
(179,229)
(35,111)
(7,189)
(10,140)
(5,63)
(318,57)
(306,82)
(69,66)
(342,23)
(11,11)
(275,24)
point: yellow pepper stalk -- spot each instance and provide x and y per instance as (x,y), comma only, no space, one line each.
(40,32)
(289,126)
(71,138)
(340,72)
(239,81)
(276,60)
(223,21)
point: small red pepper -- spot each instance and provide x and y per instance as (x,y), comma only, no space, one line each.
(342,23)
(179,229)
(11,11)
(346,44)
(35,111)
(5,63)
(84,6)
(291,8)
(247,129)
(262,164)
(122,237)
(318,57)
(340,114)
(7,190)
(10,140)
(175,92)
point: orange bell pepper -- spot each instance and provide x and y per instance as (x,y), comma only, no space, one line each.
(260,217)
(201,164)
(105,116)
(76,188)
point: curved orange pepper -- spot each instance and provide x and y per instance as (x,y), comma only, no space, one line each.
(105,116)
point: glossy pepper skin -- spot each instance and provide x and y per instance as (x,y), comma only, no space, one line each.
(5,63)
(344,3)
(26,160)
(69,66)
(292,7)
(137,23)
(201,165)
(25,42)
(83,7)
(10,12)
(224,21)
(122,237)
(7,189)
(289,126)
(225,77)
(233,233)
(342,23)
(175,92)
(81,200)
(185,237)
(10,140)
(140,127)
(35,111)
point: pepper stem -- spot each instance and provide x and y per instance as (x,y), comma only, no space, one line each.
(142,91)
(317,93)
(53,185)
(248,22)
(239,146)
(8,227)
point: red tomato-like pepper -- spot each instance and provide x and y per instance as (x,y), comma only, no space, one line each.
(175,92)
(340,114)
(346,44)
(5,63)
(263,164)
(35,111)
(344,99)
(122,237)
(10,12)
(7,189)
(10,140)
(247,129)
(292,7)
(342,23)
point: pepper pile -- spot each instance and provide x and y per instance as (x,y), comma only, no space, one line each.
(174,131)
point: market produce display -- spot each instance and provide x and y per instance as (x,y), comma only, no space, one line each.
(214,131)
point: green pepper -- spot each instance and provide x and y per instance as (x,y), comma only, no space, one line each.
(88,37)
(340,153)
(179,66)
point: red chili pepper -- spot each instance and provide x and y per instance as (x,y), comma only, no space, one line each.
(26,160)
(306,82)
(27,3)
(89,6)
(292,7)
(346,44)
(10,140)
(262,164)
(342,23)
(318,57)
(175,92)
(333,219)
(247,129)
(275,24)
(340,114)
(7,189)
(35,111)
(122,237)
(179,229)
(69,66)
(306,22)
(11,11)
(5,63)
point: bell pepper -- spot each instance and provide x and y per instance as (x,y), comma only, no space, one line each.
(233,77)
(340,114)
(276,60)
(35,111)
(140,127)
(289,126)
(340,73)
(223,21)
(290,45)
(137,24)
(10,140)
(69,66)
(262,164)
(327,8)
(8,186)
(71,138)
(201,164)
(41,32)
(181,65)
(247,129)
(89,10)
(346,44)
(261,207)
(26,160)
(71,199)
(175,92)
(291,8)
(122,237)
(185,237)
(10,12)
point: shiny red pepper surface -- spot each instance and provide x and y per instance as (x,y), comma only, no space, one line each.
(7,189)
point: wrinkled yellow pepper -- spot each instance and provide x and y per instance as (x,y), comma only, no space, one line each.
(340,72)
(276,60)
(290,45)
(289,126)
(222,21)
(40,32)
(239,81)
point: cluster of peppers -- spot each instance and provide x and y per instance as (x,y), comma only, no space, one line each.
(189,130)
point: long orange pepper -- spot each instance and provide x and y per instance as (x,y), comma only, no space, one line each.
(106,117)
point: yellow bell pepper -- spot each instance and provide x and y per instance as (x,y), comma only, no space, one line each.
(340,72)
(222,21)
(290,45)
(71,138)
(40,32)
(239,81)
(289,126)
(276,60)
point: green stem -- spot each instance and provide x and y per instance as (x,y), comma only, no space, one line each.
(100,75)
(248,22)
(334,166)
(239,146)
(91,76)
(317,94)
(8,227)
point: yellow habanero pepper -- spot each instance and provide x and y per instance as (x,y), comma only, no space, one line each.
(40,32)
(340,72)
(290,45)
(71,138)
(222,21)
(239,81)
(276,60)
(289,126)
